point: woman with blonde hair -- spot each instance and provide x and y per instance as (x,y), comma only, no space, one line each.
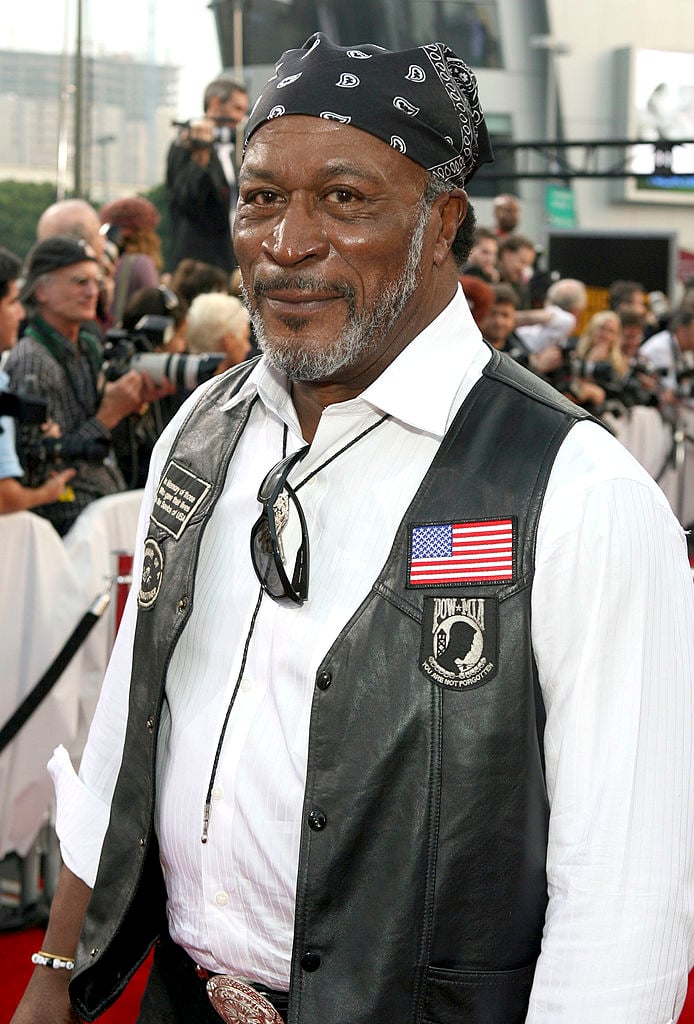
(601,342)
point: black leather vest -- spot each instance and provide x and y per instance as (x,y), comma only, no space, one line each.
(421,887)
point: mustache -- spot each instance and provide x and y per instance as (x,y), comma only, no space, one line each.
(301,282)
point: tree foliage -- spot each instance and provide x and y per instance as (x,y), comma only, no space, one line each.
(21,205)
(23,202)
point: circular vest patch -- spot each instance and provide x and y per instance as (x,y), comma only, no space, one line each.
(152,572)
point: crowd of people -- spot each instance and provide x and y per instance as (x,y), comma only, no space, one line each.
(397,725)
(635,351)
(105,271)
(72,315)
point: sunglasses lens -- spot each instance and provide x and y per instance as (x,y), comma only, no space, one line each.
(263,556)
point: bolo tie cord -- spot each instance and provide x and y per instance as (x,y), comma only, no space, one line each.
(215,764)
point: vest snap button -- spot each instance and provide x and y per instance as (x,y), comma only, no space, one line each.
(141,841)
(93,952)
(317,820)
(150,723)
(182,604)
(310,961)
(324,680)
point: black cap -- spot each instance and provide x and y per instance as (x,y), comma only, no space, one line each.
(52,254)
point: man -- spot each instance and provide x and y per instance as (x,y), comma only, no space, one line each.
(64,358)
(565,301)
(499,329)
(499,325)
(666,350)
(353,811)
(632,332)
(14,497)
(76,218)
(507,214)
(483,256)
(201,178)
(628,295)
(515,264)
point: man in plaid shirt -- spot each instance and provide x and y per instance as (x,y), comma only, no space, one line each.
(62,359)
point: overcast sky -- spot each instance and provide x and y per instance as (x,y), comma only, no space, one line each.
(178,31)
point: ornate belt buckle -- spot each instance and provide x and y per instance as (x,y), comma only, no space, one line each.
(238,1003)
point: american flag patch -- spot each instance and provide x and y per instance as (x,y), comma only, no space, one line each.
(450,553)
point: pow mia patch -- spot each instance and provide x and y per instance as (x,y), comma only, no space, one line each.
(179,494)
(152,572)
(460,649)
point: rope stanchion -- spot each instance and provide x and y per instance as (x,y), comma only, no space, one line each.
(50,677)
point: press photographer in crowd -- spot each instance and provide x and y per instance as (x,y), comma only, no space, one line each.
(593,373)
(135,436)
(598,374)
(64,359)
(201,177)
(672,352)
(14,496)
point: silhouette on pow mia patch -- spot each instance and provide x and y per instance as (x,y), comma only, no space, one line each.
(459,641)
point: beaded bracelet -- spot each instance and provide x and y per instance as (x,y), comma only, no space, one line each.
(52,960)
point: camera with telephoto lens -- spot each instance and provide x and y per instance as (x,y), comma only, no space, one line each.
(685,383)
(137,350)
(224,131)
(41,455)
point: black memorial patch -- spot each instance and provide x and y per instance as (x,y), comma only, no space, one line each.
(460,648)
(178,496)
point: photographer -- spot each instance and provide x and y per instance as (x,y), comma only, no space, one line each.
(14,497)
(668,350)
(61,288)
(201,178)
(135,436)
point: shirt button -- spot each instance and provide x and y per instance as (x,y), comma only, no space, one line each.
(310,961)
(317,820)
(221,899)
(218,793)
(246,684)
(324,680)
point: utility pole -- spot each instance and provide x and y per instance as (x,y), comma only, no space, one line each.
(79,96)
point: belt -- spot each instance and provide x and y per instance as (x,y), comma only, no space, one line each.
(237,1000)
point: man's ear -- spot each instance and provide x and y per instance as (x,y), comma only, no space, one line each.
(39,292)
(452,207)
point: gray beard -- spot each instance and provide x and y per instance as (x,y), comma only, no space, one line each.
(302,360)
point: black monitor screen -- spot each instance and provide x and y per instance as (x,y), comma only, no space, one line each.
(599,259)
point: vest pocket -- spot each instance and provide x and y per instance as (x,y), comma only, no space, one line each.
(477,997)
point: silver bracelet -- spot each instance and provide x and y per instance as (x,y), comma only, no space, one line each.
(52,960)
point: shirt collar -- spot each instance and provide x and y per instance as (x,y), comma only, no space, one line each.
(418,388)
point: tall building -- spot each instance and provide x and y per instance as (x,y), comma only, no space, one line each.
(547,71)
(127,108)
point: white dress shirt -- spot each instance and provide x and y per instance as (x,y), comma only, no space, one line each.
(538,337)
(613,636)
(663,350)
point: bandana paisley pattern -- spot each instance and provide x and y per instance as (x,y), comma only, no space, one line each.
(423,102)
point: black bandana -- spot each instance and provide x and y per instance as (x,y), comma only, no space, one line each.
(422,102)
